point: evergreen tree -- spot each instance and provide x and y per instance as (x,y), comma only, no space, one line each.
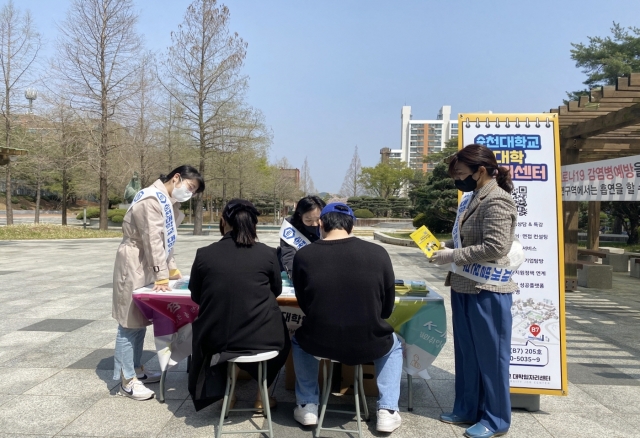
(436,199)
(603,60)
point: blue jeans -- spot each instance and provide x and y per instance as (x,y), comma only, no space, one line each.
(482,348)
(128,354)
(388,375)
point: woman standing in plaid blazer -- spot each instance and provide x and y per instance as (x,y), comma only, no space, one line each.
(481,310)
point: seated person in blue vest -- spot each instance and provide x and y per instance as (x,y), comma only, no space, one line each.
(483,233)
(235,282)
(146,256)
(299,230)
(345,287)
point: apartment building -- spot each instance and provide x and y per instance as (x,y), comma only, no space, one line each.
(423,137)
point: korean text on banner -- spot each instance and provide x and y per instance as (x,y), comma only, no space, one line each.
(606,180)
(528,145)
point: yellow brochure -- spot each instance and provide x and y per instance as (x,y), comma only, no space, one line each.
(426,241)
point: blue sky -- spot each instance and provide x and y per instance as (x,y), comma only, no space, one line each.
(330,75)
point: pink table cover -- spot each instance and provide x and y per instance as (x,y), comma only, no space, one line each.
(172,313)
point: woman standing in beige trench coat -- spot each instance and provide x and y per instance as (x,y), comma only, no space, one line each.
(142,259)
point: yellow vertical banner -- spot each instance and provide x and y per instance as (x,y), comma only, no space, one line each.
(529,146)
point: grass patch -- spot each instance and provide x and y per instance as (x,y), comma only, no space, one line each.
(49,231)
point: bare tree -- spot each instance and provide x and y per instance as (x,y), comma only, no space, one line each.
(171,129)
(244,138)
(97,57)
(19,47)
(306,183)
(69,139)
(32,134)
(351,186)
(203,75)
(254,139)
(144,105)
(285,185)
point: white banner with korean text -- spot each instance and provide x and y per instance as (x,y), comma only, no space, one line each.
(605,180)
(528,145)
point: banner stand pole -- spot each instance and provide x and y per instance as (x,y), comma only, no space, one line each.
(528,402)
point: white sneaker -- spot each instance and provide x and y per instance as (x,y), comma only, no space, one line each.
(306,415)
(388,422)
(147,376)
(136,390)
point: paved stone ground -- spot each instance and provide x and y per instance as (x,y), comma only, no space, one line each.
(57,340)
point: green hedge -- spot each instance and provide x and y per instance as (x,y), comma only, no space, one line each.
(94,212)
(116,212)
(380,207)
(117,218)
(363,213)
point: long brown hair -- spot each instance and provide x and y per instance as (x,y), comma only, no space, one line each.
(476,155)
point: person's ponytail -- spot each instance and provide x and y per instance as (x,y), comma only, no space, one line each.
(242,216)
(244,228)
(503,178)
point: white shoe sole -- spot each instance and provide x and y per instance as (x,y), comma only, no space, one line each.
(388,428)
(308,423)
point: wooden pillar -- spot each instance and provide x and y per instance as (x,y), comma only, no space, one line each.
(593,229)
(570,152)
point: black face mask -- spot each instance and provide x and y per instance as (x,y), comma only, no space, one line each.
(466,185)
(315,230)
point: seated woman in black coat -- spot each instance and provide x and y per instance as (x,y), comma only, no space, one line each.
(235,282)
(305,221)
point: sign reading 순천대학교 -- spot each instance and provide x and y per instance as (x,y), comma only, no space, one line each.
(606,180)
(528,145)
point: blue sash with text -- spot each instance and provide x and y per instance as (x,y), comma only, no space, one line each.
(293,237)
(485,273)
(170,231)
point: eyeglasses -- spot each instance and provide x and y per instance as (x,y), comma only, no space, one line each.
(191,188)
(189,185)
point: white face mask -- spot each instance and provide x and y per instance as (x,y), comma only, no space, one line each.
(181,194)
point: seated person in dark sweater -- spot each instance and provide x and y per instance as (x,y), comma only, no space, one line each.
(345,287)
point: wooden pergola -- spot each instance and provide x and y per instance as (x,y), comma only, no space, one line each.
(603,125)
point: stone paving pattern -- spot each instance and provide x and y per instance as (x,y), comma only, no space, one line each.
(57,338)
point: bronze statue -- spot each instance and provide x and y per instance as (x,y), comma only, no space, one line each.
(132,188)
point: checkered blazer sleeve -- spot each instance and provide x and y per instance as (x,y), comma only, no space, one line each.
(489,232)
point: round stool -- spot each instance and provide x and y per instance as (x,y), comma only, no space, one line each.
(262,358)
(358,392)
